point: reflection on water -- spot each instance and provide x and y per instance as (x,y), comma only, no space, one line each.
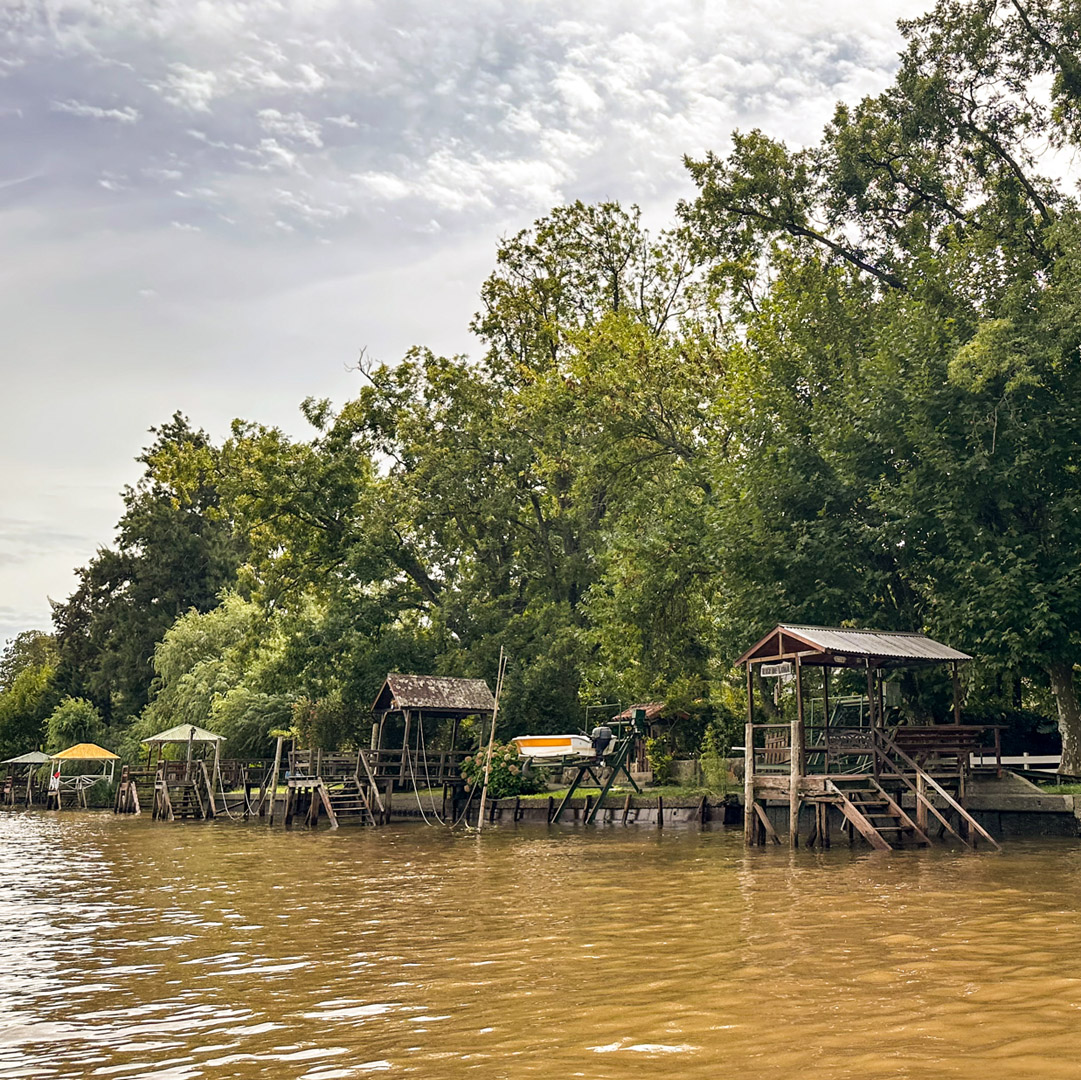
(135,949)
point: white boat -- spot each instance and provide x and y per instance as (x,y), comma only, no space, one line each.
(554,746)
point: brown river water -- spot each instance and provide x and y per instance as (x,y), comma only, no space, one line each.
(135,949)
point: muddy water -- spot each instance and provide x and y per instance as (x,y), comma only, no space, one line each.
(129,949)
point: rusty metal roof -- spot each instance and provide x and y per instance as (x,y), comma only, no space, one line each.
(654,710)
(891,647)
(434,694)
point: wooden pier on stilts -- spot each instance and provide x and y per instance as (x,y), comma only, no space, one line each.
(857,765)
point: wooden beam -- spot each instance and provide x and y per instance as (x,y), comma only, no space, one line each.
(767,825)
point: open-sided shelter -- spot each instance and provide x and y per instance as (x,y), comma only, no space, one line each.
(88,754)
(23,767)
(190,735)
(434,697)
(865,769)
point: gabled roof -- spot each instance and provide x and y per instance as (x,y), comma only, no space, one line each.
(434,694)
(35,757)
(85,751)
(843,647)
(183,733)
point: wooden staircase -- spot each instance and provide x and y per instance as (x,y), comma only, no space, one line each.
(349,804)
(189,795)
(874,813)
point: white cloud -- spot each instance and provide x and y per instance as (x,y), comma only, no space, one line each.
(124,115)
(413,135)
(189,87)
(294,125)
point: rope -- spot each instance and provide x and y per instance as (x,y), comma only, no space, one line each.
(413,775)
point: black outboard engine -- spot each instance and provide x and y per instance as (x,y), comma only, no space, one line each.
(601,737)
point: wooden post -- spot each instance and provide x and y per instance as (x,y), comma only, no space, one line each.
(826,716)
(551,807)
(405,744)
(660,811)
(749,824)
(921,806)
(795,755)
(956,694)
(187,763)
(873,715)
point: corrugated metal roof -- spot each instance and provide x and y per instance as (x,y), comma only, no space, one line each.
(35,757)
(886,644)
(85,751)
(182,733)
(434,693)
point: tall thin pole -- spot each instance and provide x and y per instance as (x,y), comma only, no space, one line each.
(749,822)
(491,735)
(274,779)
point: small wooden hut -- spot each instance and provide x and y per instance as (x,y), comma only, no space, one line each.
(417,698)
(659,721)
(865,766)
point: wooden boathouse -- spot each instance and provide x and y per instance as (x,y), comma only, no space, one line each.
(415,726)
(857,759)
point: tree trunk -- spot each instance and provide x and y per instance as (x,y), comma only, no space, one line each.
(1069,716)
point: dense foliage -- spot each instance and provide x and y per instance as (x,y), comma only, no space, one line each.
(844,387)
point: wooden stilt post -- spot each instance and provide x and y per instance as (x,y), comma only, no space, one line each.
(750,825)
(956,694)
(826,716)
(405,745)
(795,772)
(874,718)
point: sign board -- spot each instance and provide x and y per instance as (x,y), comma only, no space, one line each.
(783,670)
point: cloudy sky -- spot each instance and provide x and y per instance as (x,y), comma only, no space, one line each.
(213,205)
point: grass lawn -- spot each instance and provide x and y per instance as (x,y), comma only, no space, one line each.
(673,792)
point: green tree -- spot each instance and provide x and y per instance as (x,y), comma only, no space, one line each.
(73,721)
(168,558)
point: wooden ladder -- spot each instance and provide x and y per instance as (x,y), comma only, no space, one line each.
(874,813)
(350,804)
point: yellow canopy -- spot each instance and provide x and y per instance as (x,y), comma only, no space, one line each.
(85,751)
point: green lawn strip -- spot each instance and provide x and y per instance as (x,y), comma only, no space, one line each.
(673,793)
(1061,789)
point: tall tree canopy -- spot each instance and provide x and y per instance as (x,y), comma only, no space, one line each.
(843,388)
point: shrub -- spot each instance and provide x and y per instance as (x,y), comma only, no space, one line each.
(507,777)
(659,757)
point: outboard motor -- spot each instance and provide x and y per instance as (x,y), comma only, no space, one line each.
(601,737)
